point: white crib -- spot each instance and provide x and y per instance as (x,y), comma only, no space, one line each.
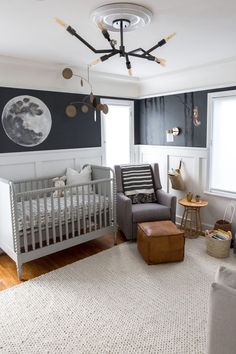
(34,223)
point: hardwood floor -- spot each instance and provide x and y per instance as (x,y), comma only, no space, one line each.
(8,276)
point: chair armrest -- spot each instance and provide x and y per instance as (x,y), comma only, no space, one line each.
(168,200)
(124,214)
(123,201)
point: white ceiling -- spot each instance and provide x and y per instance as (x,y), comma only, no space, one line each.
(205,33)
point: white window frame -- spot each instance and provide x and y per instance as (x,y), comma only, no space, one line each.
(210,190)
(117,102)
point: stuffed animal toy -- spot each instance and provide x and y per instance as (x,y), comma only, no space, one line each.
(59,182)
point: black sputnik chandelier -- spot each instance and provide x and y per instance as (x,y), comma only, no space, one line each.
(120,17)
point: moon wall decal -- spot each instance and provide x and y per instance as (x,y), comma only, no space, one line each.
(26,120)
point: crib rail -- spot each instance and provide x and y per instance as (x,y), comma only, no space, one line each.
(48,216)
(32,185)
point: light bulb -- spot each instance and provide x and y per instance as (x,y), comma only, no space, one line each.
(96,61)
(61,22)
(160,61)
(130,72)
(172,35)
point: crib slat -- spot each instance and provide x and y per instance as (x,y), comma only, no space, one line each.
(78,210)
(83,211)
(53,219)
(109,204)
(59,215)
(94,209)
(39,221)
(72,213)
(66,215)
(89,208)
(99,206)
(32,222)
(104,204)
(46,217)
(24,224)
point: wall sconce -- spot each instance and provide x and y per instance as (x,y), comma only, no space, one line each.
(170,133)
(194,111)
(88,102)
(196,118)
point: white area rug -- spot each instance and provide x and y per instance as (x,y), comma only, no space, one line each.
(113,303)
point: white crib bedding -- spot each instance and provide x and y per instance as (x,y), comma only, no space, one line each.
(42,212)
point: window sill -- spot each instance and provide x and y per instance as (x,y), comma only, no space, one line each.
(221,195)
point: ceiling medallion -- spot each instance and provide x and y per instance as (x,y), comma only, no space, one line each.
(134,16)
(120,17)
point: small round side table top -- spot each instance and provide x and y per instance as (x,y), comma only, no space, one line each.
(193,203)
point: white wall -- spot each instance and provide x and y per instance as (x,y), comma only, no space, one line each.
(26,74)
(217,74)
(194,172)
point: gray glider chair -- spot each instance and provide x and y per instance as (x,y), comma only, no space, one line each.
(129,215)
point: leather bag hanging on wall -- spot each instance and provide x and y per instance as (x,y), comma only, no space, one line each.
(176,178)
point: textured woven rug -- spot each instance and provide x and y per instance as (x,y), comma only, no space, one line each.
(112,303)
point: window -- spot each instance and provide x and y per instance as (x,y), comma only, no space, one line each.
(222,143)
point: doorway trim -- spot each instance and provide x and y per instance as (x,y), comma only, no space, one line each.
(118,102)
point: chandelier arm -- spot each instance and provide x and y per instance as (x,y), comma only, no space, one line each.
(122,47)
(137,50)
(73,32)
(142,56)
(105,57)
(159,44)
(108,56)
(106,35)
(128,65)
(162,42)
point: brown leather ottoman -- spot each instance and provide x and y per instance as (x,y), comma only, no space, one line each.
(160,242)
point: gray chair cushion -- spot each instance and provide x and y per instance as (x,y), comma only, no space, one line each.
(150,212)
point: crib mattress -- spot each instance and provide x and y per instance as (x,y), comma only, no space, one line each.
(42,212)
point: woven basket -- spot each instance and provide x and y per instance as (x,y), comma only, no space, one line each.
(176,178)
(218,248)
(176,181)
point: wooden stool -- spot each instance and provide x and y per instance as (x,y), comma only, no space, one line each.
(191,215)
(160,242)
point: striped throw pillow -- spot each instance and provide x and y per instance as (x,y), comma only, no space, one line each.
(138,183)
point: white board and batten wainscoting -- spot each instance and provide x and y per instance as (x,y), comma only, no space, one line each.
(195,165)
(37,164)
(194,172)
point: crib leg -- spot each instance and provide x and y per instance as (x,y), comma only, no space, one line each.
(19,271)
(115,238)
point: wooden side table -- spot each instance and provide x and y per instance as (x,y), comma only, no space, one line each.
(192,216)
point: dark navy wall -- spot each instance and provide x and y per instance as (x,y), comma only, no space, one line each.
(155,115)
(66,133)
